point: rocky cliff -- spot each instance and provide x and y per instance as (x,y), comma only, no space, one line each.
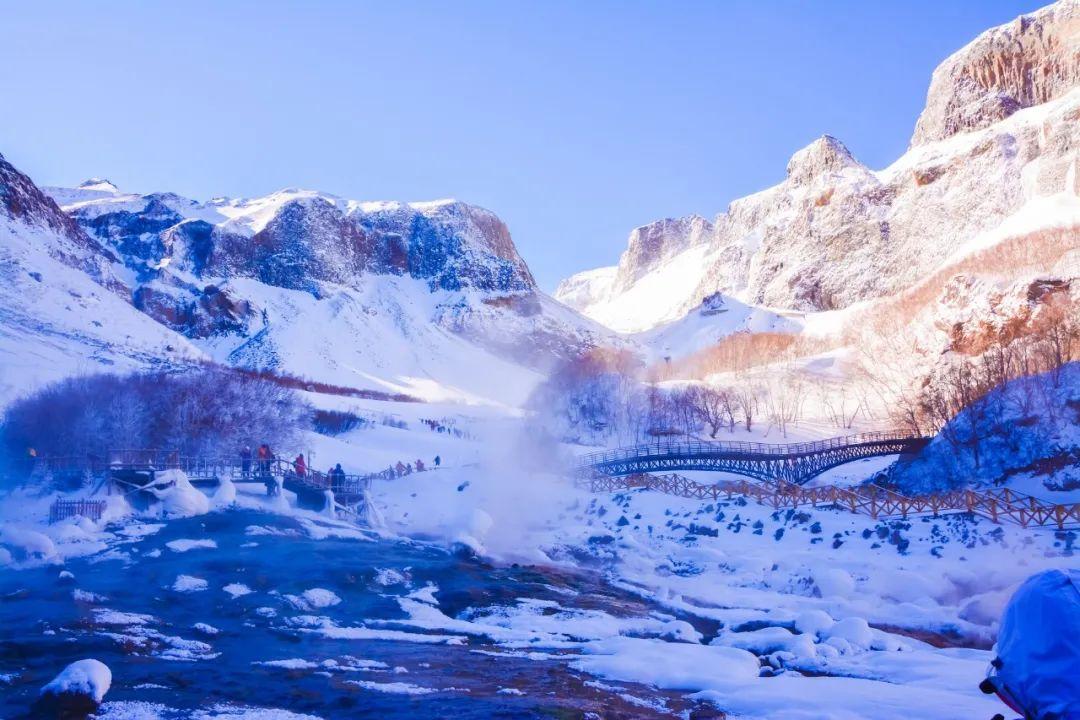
(1030,61)
(835,232)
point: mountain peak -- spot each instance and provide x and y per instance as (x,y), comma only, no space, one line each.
(824,155)
(98,184)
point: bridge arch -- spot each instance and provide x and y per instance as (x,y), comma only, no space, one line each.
(791,462)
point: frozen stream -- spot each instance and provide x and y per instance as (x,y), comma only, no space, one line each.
(315,619)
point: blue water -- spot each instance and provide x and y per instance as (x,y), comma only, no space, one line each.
(43,628)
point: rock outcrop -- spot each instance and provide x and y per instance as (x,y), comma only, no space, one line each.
(1030,61)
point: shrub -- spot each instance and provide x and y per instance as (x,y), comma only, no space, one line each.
(337,422)
(209,411)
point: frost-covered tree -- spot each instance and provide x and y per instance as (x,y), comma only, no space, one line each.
(205,411)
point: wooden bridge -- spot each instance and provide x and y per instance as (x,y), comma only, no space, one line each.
(997,504)
(792,463)
(139,469)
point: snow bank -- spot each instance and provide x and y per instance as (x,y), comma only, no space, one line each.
(83,680)
(670,666)
(25,545)
(854,631)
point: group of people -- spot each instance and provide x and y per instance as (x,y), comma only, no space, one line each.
(439,427)
(402,469)
(263,460)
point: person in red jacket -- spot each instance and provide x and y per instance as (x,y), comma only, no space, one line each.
(300,466)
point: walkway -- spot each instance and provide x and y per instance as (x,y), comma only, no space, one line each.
(790,462)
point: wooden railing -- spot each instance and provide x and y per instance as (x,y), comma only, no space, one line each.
(878,502)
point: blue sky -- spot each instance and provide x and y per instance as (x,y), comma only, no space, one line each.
(574,121)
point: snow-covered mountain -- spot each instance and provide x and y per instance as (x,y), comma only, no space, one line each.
(994,153)
(64,303)
(428,299)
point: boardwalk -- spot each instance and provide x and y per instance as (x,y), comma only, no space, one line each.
(997,505)
(136,469)
(790,462)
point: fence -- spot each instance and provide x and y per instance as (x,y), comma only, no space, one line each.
(90,509)
(998,505)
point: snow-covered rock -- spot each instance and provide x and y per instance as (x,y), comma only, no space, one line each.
(77,690)
(178,497)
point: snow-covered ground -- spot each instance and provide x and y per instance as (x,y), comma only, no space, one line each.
(795,614)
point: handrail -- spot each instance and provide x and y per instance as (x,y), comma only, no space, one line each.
(739,447)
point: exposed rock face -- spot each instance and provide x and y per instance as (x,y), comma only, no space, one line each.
(23,202)
(1030,61)
(651,245)
(975,315)
(834,232)
(301,239)
(452,245)
(194,312)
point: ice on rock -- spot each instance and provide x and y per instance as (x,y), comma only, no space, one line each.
(225,494)
(189,584)
(237,590)
(313,599)
(79,688)
(181,499)
(186,544)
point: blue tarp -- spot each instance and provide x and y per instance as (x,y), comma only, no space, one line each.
(1038,647)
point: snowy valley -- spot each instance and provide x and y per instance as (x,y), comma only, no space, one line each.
(299,456)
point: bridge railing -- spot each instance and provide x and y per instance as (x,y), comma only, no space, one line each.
(346,484)
(692,448)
